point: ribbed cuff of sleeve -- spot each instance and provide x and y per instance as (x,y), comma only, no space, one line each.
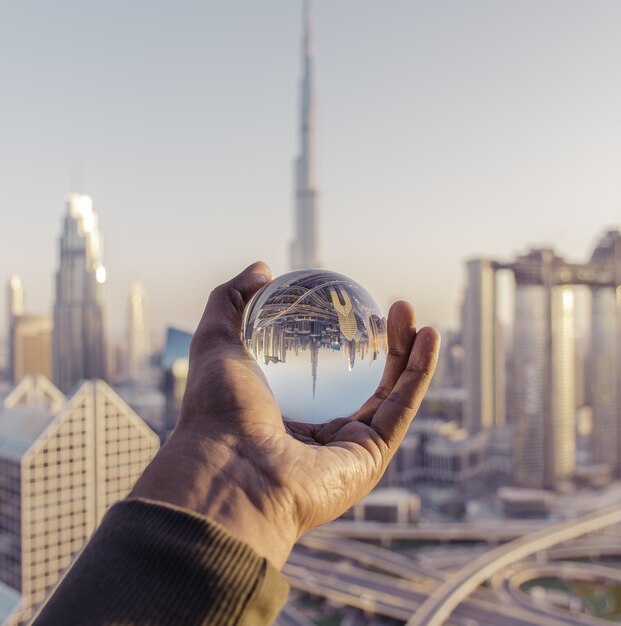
(156,564)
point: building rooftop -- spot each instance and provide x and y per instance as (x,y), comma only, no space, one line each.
(20,427)
(389,495)
(521,495)
(459,440)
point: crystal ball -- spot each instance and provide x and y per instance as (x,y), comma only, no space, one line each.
(320,339)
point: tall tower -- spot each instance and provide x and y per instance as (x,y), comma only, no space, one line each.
(16,310)
(78,342)
(137,333)
(484,367)
(605,371)
(304,248)
(544,364)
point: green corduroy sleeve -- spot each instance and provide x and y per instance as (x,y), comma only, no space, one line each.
(152,564)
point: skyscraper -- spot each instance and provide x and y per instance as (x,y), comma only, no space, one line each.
(544,453)
(63,463)
(29,337)
(484,368)
(32,347)
(605,371)
(137,333)
(79,339)
(16,310)
(543,410)
(304,248)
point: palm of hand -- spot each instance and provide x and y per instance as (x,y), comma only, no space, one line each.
(234,459)
(313,472)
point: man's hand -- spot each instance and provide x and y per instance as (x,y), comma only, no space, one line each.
(231,456)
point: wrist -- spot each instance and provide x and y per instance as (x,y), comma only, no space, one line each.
(210,478)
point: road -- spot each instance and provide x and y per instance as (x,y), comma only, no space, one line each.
(371,556)
(490,532)
(438,607)
(509,582)
(396,598)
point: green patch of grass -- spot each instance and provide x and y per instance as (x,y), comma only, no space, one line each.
(602,601)
(331,620)
(547,583)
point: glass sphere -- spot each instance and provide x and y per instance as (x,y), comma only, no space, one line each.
(320,339)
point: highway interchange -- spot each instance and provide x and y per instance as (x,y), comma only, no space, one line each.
(333,563)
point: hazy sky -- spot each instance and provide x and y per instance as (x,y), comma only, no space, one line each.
(447,129)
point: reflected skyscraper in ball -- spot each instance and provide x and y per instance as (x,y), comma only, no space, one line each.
(79,338)
(305,246)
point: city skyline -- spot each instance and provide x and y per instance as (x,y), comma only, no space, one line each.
(468,158)
(453,123)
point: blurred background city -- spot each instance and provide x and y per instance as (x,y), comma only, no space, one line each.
(463,155)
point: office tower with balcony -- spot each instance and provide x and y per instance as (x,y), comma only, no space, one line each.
(138,345)
(484,368)
(304,248)
(63,463)
(544,406)
(79,346)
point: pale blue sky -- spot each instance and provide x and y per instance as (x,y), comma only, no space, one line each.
(446,129)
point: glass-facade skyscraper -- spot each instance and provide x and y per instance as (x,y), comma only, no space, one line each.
(79,345)
(549,383)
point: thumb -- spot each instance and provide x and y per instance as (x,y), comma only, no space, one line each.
(222,318)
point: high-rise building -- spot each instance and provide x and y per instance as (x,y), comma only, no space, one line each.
(32,347)
(605,371)
(174,365)
(544,370)
(79,346)
(543,407)
(16,310)
(29,337)
(305,246)
(484,368)
(138,345)
(63,463)
(544,435)
(557,366)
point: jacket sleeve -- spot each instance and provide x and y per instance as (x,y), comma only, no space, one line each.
(154,564)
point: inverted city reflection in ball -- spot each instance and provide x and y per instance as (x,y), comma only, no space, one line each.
(320,339)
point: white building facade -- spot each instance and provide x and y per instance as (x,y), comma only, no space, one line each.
(62,468)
